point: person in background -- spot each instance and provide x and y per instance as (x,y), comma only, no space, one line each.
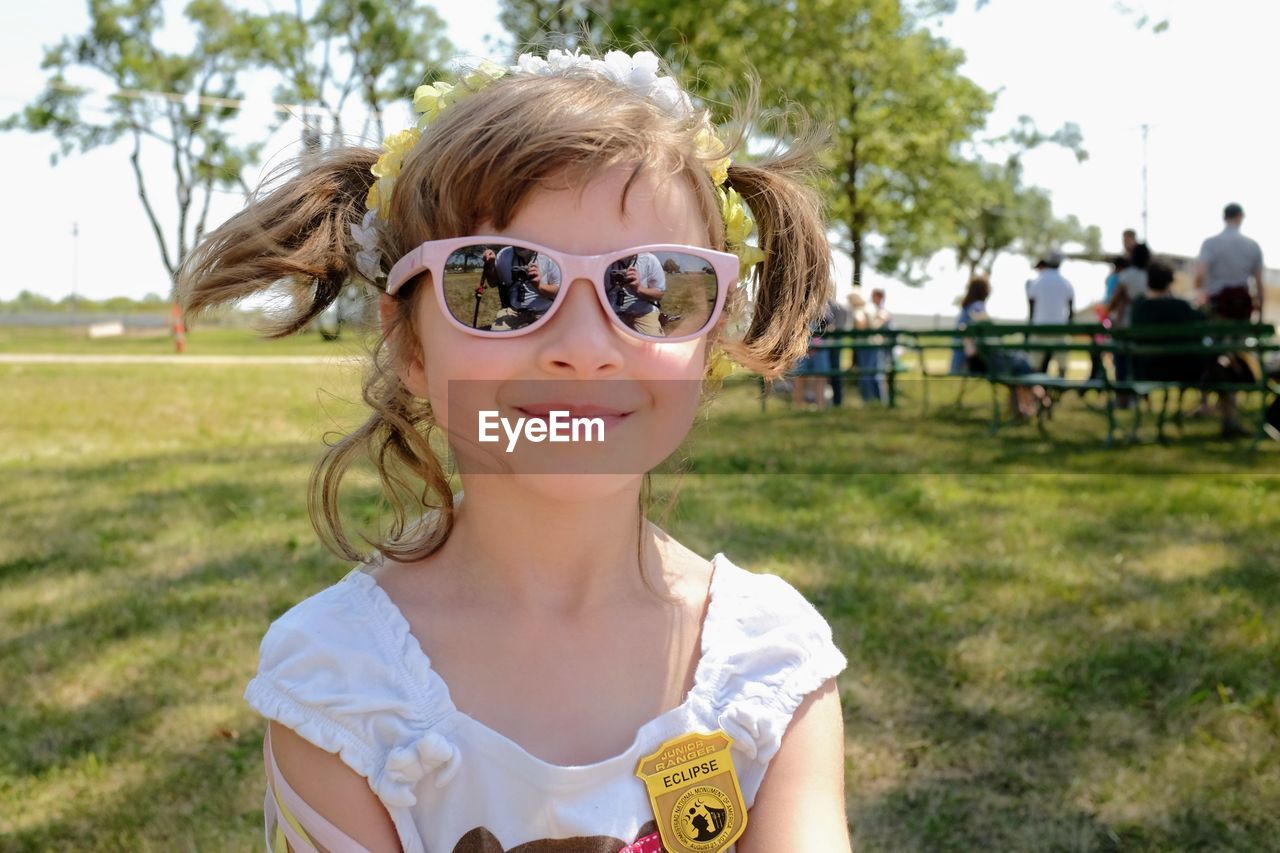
(1023,400)
(1036,270)
(1227,261)
(880,316)
(1161,308)
(1131,286)
(1051,302)
(812,389)
(840,320)
(873,361)
(974,301)
(1119,263)
(1102,314)
(1129,239)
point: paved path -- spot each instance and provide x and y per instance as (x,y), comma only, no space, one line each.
(69,358)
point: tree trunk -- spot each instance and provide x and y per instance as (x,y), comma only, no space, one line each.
(855,220)
(855,234)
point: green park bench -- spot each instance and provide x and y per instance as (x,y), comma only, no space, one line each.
(1149,343)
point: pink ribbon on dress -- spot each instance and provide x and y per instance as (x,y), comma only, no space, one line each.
(648,844)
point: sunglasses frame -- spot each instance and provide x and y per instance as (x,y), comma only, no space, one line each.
(431,256)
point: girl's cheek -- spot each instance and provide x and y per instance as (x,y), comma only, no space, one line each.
(673,361)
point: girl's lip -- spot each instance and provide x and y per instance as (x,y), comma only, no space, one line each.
(543,410)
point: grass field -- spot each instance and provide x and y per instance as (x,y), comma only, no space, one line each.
(1051,646)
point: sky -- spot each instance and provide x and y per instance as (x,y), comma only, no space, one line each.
(1201,86)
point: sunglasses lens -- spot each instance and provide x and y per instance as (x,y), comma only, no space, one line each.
(662,294)
(499,287)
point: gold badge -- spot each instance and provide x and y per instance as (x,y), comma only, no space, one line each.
(694,792)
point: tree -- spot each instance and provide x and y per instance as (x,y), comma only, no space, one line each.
(374,50)
(180,100)
(1002,215)
(1141,18)
(548,23)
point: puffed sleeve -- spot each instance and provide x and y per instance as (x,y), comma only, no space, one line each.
(334,670)
(771,652)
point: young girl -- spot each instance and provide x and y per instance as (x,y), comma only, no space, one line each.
(533,665)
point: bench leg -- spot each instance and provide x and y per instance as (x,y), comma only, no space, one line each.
(995,409)
(1042,414)
(1261,432)
(1111,418)
(924,385)
(1164,410)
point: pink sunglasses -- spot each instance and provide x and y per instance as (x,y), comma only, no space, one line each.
(496,287)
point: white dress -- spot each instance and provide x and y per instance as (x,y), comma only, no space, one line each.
(343,671)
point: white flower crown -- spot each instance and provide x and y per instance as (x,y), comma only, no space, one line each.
(639,73)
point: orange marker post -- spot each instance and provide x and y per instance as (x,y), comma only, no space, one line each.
(179,330)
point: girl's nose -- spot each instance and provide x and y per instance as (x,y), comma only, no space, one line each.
(580,341)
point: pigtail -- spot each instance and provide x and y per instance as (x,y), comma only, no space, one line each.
(396,439)
(793,282)
(295,236)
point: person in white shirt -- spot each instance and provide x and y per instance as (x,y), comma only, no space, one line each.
(1131,287)
(1227,261)
(1051,301)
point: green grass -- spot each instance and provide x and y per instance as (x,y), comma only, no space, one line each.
(1051,646)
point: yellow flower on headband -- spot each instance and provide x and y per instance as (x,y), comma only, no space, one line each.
(737,227)
(721,365)
(433,98)
(397,145)
(482,75)
(737,222)
(387,169)
(430,99)
(709,145)
(748,257)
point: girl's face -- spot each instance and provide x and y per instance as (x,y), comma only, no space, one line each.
(653,386)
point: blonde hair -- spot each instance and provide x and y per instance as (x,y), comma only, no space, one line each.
(477,163)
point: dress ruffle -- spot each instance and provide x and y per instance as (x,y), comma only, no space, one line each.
(407,765)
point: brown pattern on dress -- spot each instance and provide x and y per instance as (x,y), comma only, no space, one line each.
(481,840)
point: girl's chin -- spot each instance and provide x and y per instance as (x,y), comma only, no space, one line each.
(561,488)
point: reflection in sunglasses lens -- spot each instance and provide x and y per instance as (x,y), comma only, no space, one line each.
(497,287)
(662,294)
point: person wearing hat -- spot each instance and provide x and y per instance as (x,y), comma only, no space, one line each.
(1050,301)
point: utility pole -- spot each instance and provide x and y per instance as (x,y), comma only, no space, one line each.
(75,263)
(1145,236)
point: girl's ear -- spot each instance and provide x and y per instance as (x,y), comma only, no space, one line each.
(408,360)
